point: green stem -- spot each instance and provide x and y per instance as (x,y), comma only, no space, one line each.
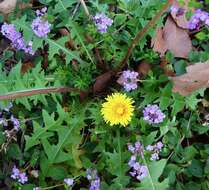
(119,149)
(44,188)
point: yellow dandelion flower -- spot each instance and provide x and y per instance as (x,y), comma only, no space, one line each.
(117,109)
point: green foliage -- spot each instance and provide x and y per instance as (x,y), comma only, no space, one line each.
(61,136)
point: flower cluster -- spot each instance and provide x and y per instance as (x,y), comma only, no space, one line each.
(153,114)
(18,175)
(117,109)
(6,116)
(155,149)
(200,17)
(10,32)
(129,80)
(94,179)
(69,182)
(137,148)
(102,22)
(40,26)
(138,170)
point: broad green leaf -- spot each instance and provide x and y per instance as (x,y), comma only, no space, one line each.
(152,180)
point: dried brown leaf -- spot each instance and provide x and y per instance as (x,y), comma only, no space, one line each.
(181,20)
(143,68)
(102,81)
(7,6)
(158,42)
(172,38)
(197,77)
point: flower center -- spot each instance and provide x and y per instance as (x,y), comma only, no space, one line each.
(120,110)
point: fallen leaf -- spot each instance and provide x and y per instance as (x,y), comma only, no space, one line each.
(172,38)
(102,81)
(181,19)
(197,77)
(7,6)
(158,42)
(143,68)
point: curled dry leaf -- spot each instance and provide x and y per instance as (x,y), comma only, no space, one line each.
(181,19)
(197,77)
(102,81)
(143,68)
(172,38)
(7,6)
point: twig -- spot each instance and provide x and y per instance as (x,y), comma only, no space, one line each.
(142,32)
(32,92)
(101,63)
(85,8)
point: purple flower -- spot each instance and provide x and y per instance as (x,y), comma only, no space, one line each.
(153,115)
(15,173)
(41,12)
(23,178)
(136,149)
(155,149)
(18,175)
(69,181)
(159,145)
(41,27)
(142,172)
(94,179)
(129,80)
(199,17)
(150,148)
(154,156)
(131,148)
(139,171)
(207,21)
(15,122)
(132,161)
(10,32)
(102,22)
(95,184)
